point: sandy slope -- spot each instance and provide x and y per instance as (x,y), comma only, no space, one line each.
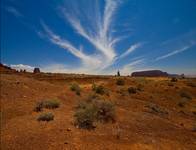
(139,127)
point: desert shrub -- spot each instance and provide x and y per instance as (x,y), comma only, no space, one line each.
(174,79)
(94,86)
(46,117)
(132,90)
(96,110)
(100,89)
(105,111)
(92,96)
(75,87)
(156,109)
(120,81)
(185,95)
(51,104)
(85,116)
(38,106)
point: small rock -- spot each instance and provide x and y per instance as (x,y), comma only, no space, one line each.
(68,129)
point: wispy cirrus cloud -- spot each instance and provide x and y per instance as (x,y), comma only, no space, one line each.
(97,31)
(130,49)
(179,50)
(88,61)
(14,11)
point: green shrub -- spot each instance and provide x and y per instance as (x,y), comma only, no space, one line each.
(94,86)
(51,104)
(132,90)
(95,110)
(120,81)
(46,117)
(85,116)
(75,87)
(174,79)
(100,89)
(105,111)
(156,109)
(185,95)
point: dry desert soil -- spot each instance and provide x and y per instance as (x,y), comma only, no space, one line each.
(159,116)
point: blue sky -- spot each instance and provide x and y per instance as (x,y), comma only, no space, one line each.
(99,36)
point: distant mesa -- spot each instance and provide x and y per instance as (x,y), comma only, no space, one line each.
(36,70)
(150,73)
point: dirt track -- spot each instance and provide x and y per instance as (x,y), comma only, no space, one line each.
(139,126)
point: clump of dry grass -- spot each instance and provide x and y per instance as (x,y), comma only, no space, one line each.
(120,81)
(50,104)
(132,90)
(87,112)
(75,87)
(46,117)
(99,89)
(174,79)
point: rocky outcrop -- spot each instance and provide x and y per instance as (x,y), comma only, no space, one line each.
(150,73)
(6,69)
(36,70)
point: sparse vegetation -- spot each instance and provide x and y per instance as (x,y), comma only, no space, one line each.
(96,110)
(105,111)
(46,117)
(100,89)
(173,79)
(50,104)
(120,81)
(75,87)
(85,116)
(132,90)
(156,109)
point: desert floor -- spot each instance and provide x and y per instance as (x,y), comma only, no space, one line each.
(172,125)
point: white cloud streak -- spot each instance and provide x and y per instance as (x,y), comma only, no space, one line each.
(130,49)
(174,52)
(101,37)
(96,28)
